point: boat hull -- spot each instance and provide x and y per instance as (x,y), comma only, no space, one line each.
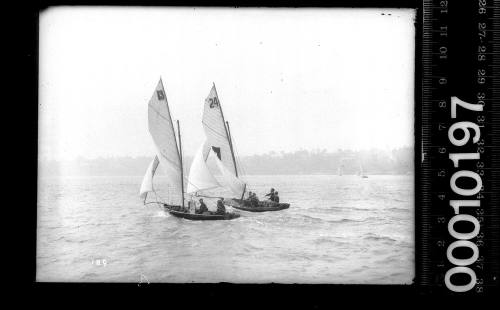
(263,206)
(200,217)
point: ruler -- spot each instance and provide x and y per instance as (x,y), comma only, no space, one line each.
(457,192)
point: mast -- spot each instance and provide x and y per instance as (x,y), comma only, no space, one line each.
(244,189)
(182,169)
(231,147)
(227,133)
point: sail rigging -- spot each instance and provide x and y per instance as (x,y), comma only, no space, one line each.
(216,132)
(169,155)
(219,142)
(161,128)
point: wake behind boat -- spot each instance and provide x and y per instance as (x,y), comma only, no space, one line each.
(169,154)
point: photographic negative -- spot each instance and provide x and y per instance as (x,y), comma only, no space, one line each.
(226,145)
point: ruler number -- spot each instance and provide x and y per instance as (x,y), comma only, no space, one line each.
(482,4)
(469,106)
(480,76)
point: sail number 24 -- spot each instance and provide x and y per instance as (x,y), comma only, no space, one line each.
(213,102)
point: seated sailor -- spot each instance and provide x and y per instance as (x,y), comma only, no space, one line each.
(203,207)
(271,194)
(221,210)
(276,197)
(248,200)
(254,200)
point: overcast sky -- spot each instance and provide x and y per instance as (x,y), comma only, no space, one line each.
(286,78)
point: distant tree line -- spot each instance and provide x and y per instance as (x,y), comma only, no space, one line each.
(397,161)
(374,161)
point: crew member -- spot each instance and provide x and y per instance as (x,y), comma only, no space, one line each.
(254,200)
(276,197)
(249,199)
(221,209)
(203,207)
(271,194)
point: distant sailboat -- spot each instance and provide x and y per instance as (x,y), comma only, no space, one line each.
(169,155)
(219,142)
(360,172)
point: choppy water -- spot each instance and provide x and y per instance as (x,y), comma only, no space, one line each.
(339,229)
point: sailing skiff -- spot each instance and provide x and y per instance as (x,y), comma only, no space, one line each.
(220,144)
(361,173)
(169,155)
(262,207)
(203,217)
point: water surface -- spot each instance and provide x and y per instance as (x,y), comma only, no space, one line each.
(339,229)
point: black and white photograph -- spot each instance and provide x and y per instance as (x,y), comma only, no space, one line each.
(240,145)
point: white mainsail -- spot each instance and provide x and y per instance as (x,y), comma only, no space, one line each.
(216,132)
(162,131)
(200,178)
(147,181)
(219,142)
